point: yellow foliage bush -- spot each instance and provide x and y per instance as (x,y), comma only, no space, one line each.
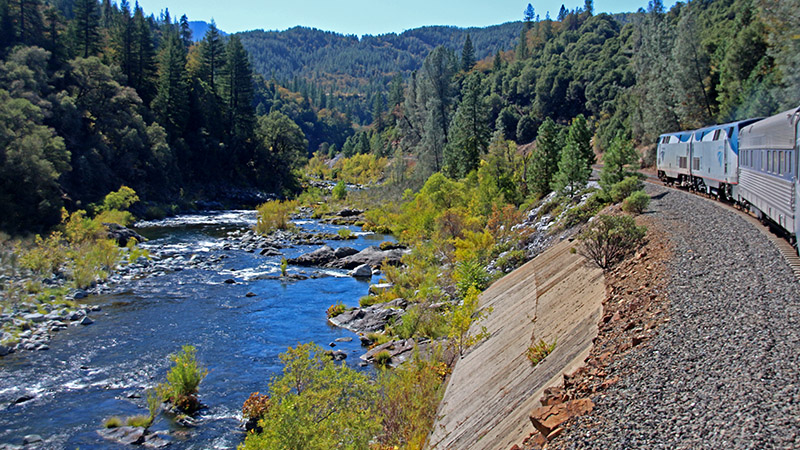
(274,215)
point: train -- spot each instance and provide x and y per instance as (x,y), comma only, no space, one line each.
(751,163)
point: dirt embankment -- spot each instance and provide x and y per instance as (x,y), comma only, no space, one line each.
(556,297)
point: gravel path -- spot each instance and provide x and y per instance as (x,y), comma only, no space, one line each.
(724,372)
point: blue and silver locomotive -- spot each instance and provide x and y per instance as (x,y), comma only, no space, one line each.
(753,163)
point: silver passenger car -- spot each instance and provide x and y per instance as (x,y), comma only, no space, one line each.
(768,169)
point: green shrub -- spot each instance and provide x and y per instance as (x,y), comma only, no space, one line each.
(378,338)
(511,260)
(120,200)
(538,351)
(636,203)
(317,404)
(138,421)
(461,319)
(284,266)
(408,400)
(582,213)
(113,422)
(153,404)
(123,218)
(46,255)
(182,380)
(345,233)
(607,239)
(383,358)
(274,215)
(339,191)
(624,188)
(470,274)
(336,309)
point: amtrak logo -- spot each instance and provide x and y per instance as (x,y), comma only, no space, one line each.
(719,157)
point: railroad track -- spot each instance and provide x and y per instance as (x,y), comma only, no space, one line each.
(786,249)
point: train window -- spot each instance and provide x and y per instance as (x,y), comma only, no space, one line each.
(730,132)
(780,162)
(716,135)
(775,162)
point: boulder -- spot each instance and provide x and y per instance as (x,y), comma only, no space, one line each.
(362,271)
(34,317)
(349,212)
(344,252)
(31,439)
(318,257)
(395,349)
(548,419)
(365,320)
(373,256)
(122,234)
(4,350)
(376,289)
(123,435)
(86,321)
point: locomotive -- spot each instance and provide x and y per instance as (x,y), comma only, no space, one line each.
(752,163)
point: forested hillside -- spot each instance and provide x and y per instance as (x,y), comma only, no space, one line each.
(96,95)
(698,63)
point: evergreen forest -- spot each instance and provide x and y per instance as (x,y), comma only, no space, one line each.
(97,95)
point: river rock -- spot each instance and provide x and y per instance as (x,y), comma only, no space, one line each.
(349,212)
(122,234)
(86,321)
(78,294)
(344,252)
(379,288)
(365,320)
(31,439)
(155,440)
(362,271)
(123,435)
(4,350)
(318,257)
(395,349)
(269,251)
(34,317)
(373,256)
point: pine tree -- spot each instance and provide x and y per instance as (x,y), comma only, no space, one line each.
(562,14)
(688,79)
(29,23)
(6,26)
(435,100)
(171,103)
(238,91)
(469,134)
(497,64)
(213,56)
(377,111)
(467,55)
(529,16)
(185,32)
(86,28)
(123,41)
(544,158)
(573,167)
(619,154)
(107,14)
(581,137)
(522,46)
(396,91)
(144,56)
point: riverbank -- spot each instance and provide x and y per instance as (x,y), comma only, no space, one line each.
(239,328)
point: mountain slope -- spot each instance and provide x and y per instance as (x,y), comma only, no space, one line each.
(348,63)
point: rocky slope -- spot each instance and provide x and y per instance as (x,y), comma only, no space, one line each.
(723,369)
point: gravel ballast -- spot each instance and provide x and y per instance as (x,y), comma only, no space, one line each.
(724,371)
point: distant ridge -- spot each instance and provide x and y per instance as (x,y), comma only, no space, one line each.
(351,63)
(199,28)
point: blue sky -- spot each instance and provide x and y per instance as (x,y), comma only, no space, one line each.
(368,16)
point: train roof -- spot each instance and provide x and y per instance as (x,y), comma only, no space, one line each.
(775,132)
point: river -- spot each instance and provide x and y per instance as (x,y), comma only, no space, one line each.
(91,372)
